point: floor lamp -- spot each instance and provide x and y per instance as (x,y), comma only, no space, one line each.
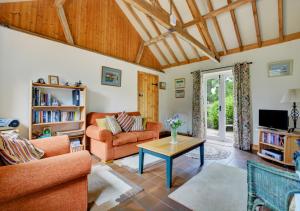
(292,96)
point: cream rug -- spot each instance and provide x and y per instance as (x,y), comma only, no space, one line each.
(212,151)
(132,162)
(216,187)
(106,188)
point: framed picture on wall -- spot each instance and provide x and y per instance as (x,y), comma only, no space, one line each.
(111,76)
(179,93)
(162,85)
(53,79)
(280,68)
(179,83)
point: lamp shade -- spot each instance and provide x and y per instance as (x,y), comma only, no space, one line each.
(292,95)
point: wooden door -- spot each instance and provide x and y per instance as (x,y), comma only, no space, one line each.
(148,95)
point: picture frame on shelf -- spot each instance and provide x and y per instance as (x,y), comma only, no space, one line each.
(162,85)
(280,68)
(53,79)
(179,93)
(111,76)
(179,83)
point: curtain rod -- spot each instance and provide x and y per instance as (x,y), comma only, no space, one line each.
(218,68)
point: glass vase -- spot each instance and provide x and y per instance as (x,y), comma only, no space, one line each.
(173,135)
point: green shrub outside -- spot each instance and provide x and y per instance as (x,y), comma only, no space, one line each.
(213,113)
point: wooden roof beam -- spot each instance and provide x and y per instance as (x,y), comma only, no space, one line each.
(140,52)
(156,29)
(63,20)
(236,28)
(217,12)
(257,29)
(13,1)
(217,26)
(280,19)
(178,17)
(132,12)
(162,17)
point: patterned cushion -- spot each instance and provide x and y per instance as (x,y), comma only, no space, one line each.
(138,124)
(102,124)
(125,121)
(15,150)
(113,125)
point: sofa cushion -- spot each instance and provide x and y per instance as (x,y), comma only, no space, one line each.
(138,124)
(124,138)
(144,135)
(113,125)
(125,121)
(102,124)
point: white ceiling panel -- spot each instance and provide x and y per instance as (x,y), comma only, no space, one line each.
(267,11)
(187,48)
(175,48)
(165,51)
(245,21)
(291,16)
(157,55)
(227,30)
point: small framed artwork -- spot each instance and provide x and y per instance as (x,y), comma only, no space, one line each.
(179,83)
(280,68)
(179,93)
(111,76)
(53,79)
(162,85)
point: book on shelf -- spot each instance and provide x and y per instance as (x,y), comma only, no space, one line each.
(55,116)
(275,139)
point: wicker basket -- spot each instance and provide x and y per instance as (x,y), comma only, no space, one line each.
(76,148)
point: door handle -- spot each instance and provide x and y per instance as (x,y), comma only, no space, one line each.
(141,95)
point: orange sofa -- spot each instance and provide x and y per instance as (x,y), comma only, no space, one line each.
(57,182)
(107,147)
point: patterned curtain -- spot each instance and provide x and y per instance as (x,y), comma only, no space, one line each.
(198,119)
(242,126)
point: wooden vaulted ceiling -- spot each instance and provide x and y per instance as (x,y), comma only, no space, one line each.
(97,25)
(139,31)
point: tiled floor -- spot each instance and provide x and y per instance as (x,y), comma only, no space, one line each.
(155,194)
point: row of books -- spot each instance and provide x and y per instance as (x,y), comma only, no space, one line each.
(274,139)
(55,116)
(42,98)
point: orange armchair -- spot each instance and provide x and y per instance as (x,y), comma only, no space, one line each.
(57,182)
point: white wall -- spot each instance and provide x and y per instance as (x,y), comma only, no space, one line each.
(25,57)
(266,92)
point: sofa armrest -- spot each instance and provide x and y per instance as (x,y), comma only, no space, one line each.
(154,126)
(94,132)
(27,178)
(53,146)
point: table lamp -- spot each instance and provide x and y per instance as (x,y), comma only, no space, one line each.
(292,96)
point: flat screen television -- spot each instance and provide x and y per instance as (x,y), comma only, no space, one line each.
(275,119)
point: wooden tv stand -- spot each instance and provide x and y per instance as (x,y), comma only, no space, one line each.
(282,141)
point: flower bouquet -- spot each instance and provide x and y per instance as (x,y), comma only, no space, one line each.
(174,124)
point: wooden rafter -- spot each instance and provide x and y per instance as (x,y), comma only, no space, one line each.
(162,17)
(158,38)
(266,43)
(136,17)
(13,1)
(280,19)
(156,29)
(63,20)
(217,12)
(217,26)
(236,28)
(257,29)
(140,52)
(202,26)
(178,17)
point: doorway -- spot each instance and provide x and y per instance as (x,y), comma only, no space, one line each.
(148,96)
(218,99)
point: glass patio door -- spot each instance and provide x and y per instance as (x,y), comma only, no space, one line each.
(218,98)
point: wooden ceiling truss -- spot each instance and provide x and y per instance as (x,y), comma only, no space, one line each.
(157,16)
